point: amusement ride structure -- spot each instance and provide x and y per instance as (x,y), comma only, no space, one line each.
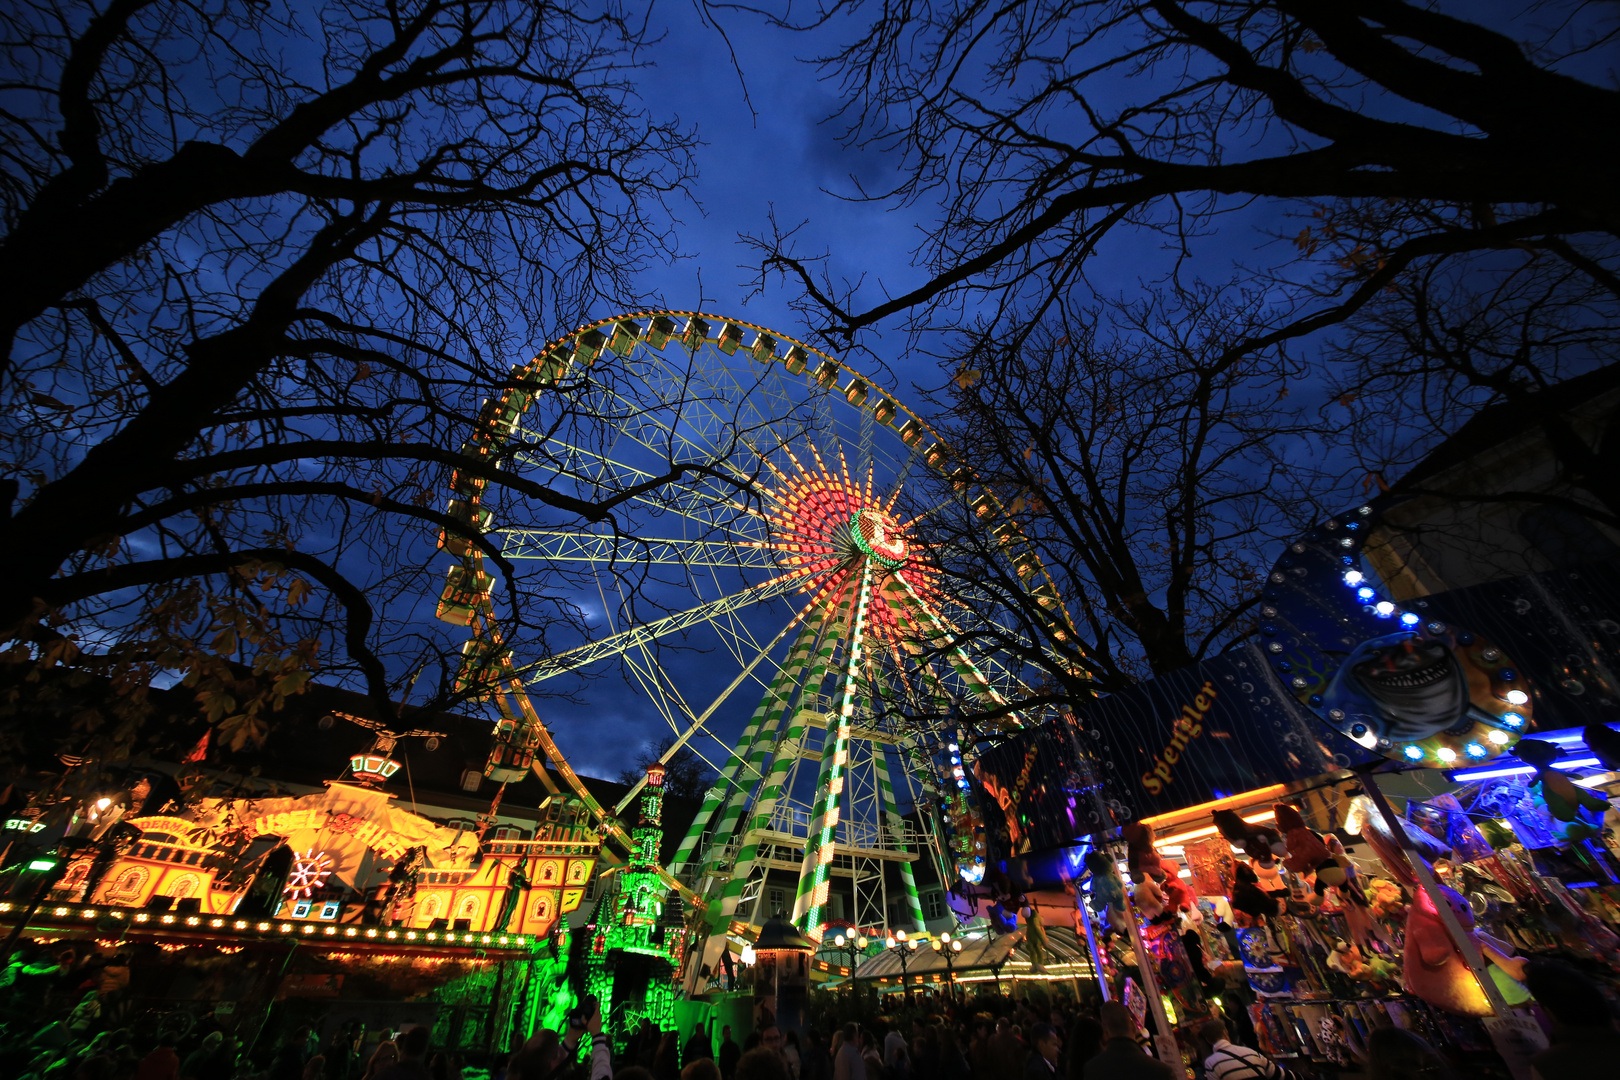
(791,522)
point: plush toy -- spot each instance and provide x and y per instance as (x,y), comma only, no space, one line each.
(1249,898)
(1349,959)
(1261,844)
(1338,872)
(1141,858)
(1269,877)
(1107,889)
(1432,967)
(1305,849)
(1386,898)
(1149,899)
(1177,896)
(1564,798)
(1604,742)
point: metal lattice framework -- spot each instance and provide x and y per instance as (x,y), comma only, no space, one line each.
(783,527)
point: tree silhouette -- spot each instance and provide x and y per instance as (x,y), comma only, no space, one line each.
(1044,129)
(687,776)
(261,267)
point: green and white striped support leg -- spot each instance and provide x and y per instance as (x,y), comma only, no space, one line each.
(779,707)
(777,697)
(897,830)
(764,808)
(811,897)
(722,909)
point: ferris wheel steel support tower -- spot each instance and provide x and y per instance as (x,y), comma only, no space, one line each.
(807,793)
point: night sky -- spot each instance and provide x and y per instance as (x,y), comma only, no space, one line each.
(783,159)
(788,158)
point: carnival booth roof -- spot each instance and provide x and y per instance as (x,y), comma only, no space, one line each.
(1010,955)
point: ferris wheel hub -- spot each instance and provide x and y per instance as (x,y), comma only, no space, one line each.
(879,536)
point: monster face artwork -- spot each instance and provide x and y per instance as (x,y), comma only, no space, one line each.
(1415,688)
(1433,690)
(1397,681)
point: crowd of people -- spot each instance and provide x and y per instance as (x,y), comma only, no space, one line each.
(995,1038)
(62,1019)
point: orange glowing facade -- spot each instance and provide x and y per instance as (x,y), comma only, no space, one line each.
(347,842)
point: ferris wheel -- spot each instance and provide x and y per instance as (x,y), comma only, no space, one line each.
(764,510)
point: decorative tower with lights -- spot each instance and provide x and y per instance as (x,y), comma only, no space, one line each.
(635,950)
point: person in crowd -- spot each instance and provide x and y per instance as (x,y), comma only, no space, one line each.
(815,1061)
(1229,1061)
(538,1057)
(790,1054)
(444,1067)
(204,1062)
(1122,1057)
(729,1053)
(761,1063)
(85,1016)
(1397,1054)
(412,1063)
(339,1052)
(871,1056)
(894,1048)
(666,1059)
(847,1063)
(980,1052)
(698,1046)
(702,1068)
(952,1063)
(1584,1040)
(382,1059)
(1046,1044)
(1085,1042)
(643,1049)
(924,1049)
(315,1068)
(161,1063)
(288,1063)
(1007,1051)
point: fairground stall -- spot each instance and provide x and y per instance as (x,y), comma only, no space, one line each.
(339,908)
(1373,815)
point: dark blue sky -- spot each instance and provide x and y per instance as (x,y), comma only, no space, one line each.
(785,155)
(782,158)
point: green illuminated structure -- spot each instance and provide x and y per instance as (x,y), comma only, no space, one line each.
(635,951)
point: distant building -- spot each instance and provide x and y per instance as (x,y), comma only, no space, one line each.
(1475,516)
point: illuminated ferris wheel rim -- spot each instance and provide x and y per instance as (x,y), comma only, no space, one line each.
(882,541)
(622,332)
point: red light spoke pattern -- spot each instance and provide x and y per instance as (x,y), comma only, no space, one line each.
(826,525)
